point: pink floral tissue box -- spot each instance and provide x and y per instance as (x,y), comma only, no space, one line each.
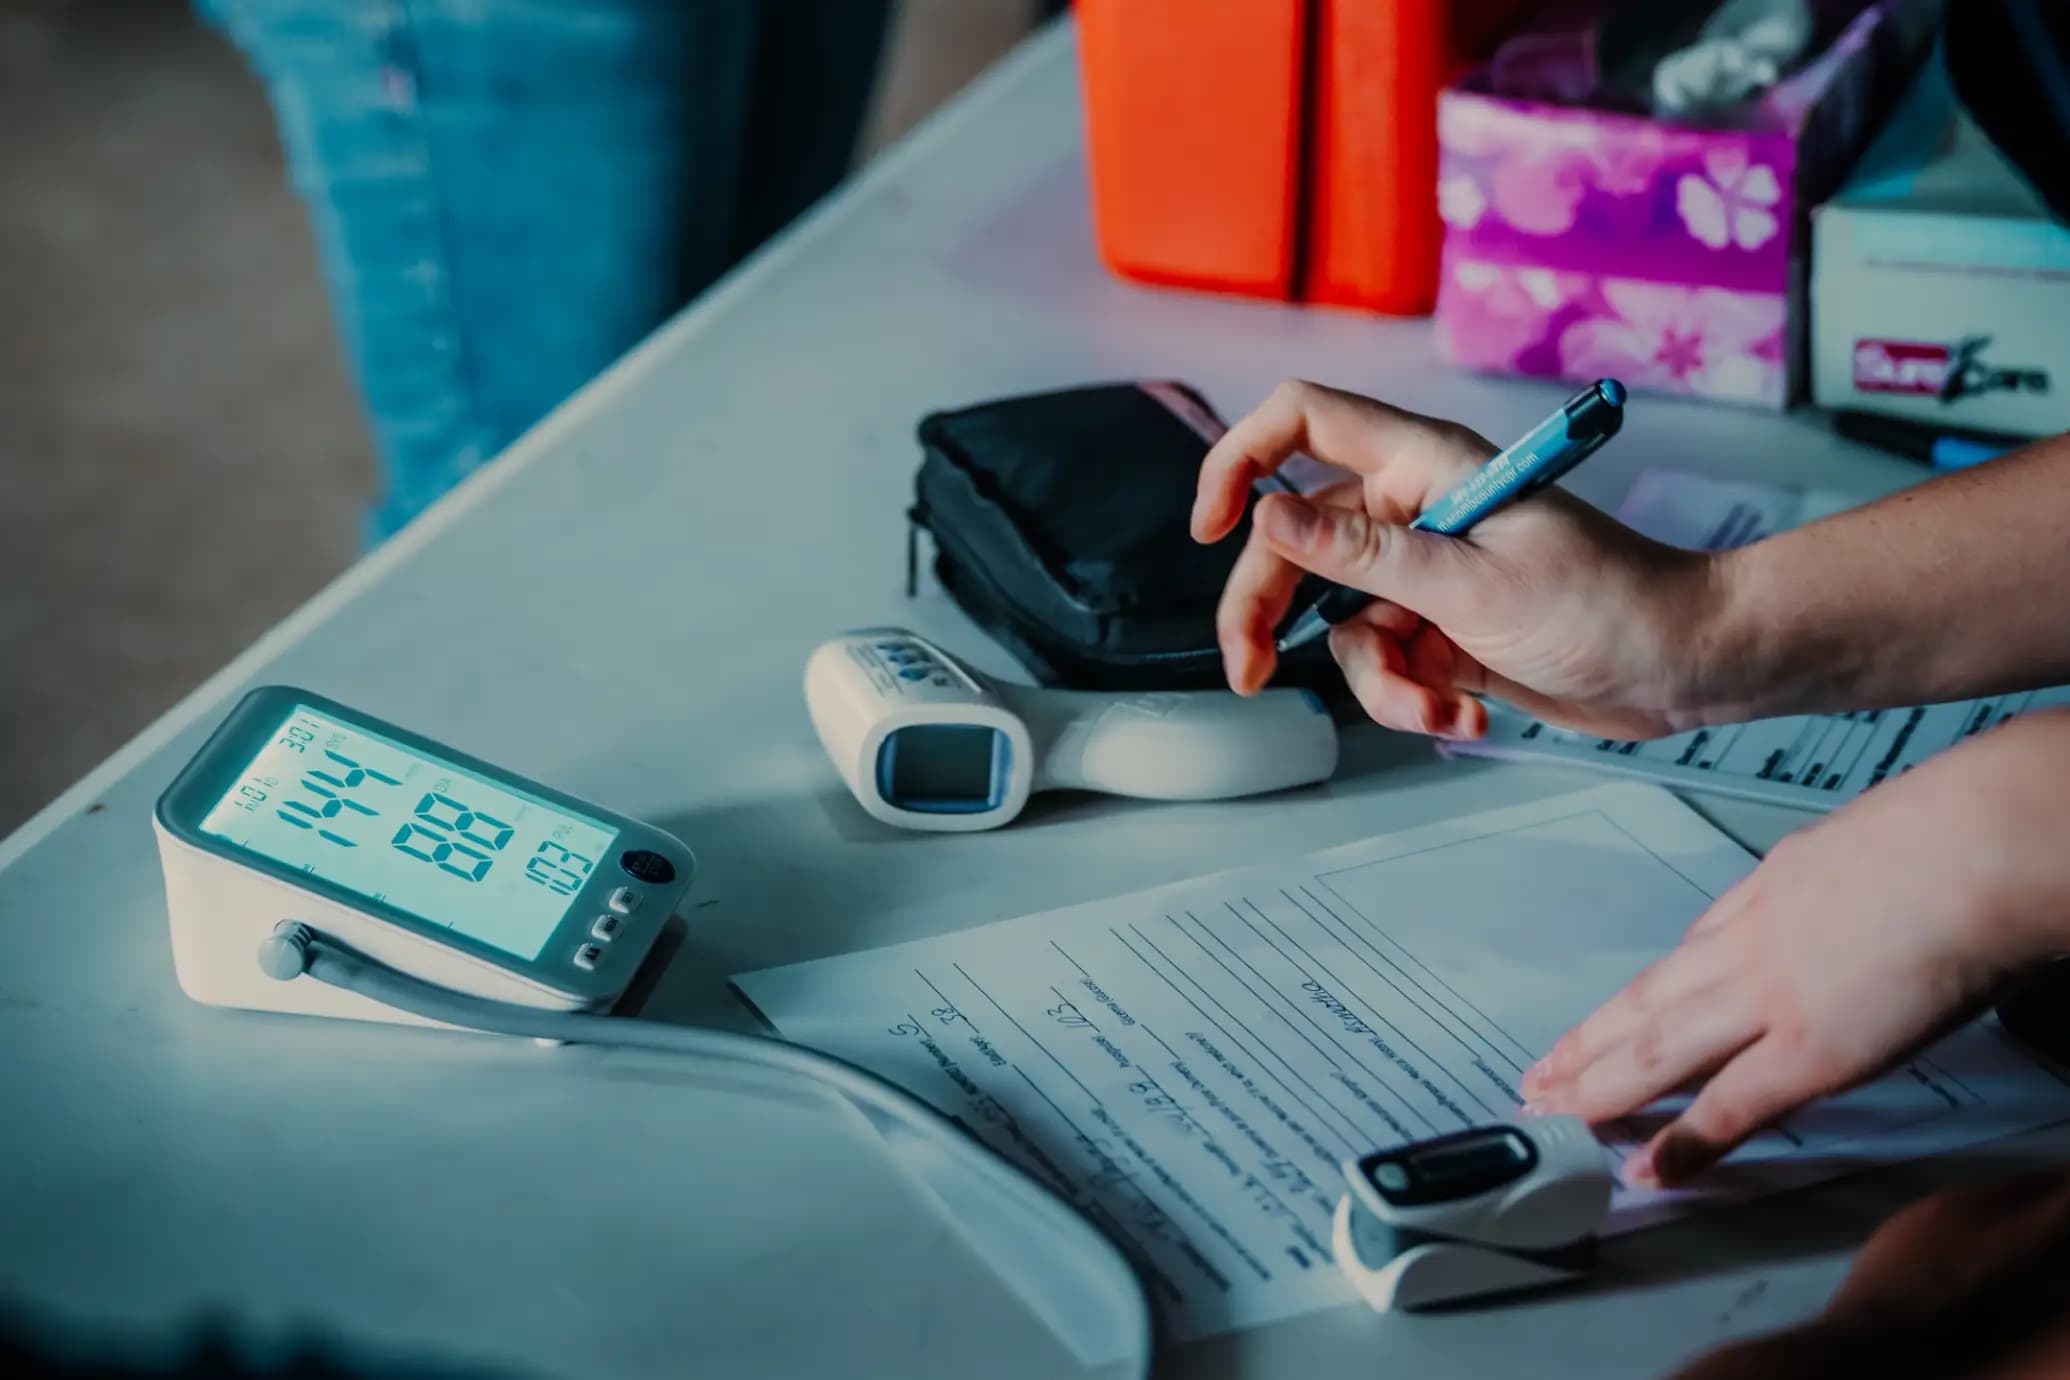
(1583,243)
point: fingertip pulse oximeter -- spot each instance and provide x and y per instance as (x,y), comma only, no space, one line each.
(1492,1210)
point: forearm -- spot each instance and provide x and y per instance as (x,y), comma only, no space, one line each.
(2021,781)
(2008,856)
(1957,587)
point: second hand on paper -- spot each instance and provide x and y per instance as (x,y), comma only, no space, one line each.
(1190,1065)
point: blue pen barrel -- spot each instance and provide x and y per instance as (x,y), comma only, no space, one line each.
(1959,453)
(1545,453)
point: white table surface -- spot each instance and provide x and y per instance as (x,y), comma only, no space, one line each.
(622,605)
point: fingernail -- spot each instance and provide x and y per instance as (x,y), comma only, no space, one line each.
(1288,521)
(1531,1109)
(1460,725)
(1640,1171)
(1677,1158)
(1533,1081)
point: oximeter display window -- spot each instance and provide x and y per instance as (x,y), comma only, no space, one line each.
(394,825)
(1460,1166)
(944,768)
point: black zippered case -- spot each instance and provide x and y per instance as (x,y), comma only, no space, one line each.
(1059,523)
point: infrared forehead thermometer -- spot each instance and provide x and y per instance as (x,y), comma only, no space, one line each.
(925,742)
(1492,1210)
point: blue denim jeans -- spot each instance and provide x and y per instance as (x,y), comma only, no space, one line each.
(507,194)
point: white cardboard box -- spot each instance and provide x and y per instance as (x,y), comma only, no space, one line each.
(1940,285)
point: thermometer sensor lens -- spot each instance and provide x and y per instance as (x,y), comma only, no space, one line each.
(394,825)
(945,768)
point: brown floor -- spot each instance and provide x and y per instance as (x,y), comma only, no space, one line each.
(181,456)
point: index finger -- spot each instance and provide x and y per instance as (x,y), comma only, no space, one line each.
(1410,456)
(1762,1084)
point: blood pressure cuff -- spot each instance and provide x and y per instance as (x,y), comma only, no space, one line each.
(1059,523)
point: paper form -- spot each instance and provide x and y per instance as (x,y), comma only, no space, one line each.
(1814,761)
(1702,513)
(1190,1065)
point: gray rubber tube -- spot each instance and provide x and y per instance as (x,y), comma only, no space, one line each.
(1104,1274)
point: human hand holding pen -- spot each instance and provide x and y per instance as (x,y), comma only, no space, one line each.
(1534,461)
(1549,605)
(1861,937)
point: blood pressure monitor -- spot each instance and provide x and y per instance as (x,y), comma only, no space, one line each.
(1495,1209)
(925,742)
(318,860)
(418,856)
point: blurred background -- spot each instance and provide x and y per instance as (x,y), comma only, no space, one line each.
(183,455)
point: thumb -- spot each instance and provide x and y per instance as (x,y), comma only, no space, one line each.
(1421,571)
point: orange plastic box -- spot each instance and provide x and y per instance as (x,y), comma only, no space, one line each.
(1277,148)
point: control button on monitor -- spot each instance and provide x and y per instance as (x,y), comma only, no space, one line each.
(914,673)
(645,865)
(606,927)
(588,956)
(624,900)
(1391,1176)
